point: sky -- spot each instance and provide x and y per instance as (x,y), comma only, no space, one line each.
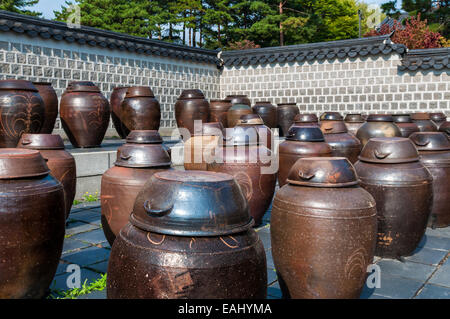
(47,6)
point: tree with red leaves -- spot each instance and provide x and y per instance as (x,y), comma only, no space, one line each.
(415,34)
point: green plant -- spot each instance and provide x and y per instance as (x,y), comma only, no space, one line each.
(98,285)
(87,198)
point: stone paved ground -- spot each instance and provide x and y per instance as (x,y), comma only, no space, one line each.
(424,275)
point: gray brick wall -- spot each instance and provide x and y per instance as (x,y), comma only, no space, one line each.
(370,84)
(61,63)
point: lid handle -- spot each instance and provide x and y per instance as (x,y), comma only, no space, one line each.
(420,143)
(380,155)
(244,121)
(304,176)
(125,157)
(26,141)
(156,212)
(328,129)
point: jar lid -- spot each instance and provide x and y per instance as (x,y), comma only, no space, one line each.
(354,118)
(306,117)
(264,103)
(240,136)
(17,85)
(211,129)
(21,163)
(191,203)
(445,127)
(333,127)
(240,107)
(142,156)
(227,101)
(41,141)
(331,116)
(305,134)
(82,86)
(438,116)
(430,141)
(250,119)
(42,83)
(144,137)
(139,91)
(380,118)
(420,116)
(323,172)
(191,95)
(402,118)
(389,150)
(286,104)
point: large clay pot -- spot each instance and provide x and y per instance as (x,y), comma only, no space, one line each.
(190,237)
(191,106)
(390,170)
(140,110)
(405,124)
(343,144)
(286,113)
(32,224)
(142,156)
(267,112)
(249,163)
(218,110)
(301,142)
(50,99)
(239,99)
(377,125)
(438,118)
(60,162)
(265,136)
(331,116)
(117,97)
(445,127)
(235,113)
(200,148)
(306,119)
(354,122)
(22,110)
(434,151)
(84,115)
(323,230)
(424,122)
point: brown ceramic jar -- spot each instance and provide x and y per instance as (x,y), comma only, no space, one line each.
(191,106)
(84,115)
(445,127)
(189,237)
(239,99)
(390,170)
(434,151)
(286,113)
(50,99)
(60,162)
(306,119)
(405,124)
(140,110)
(354,122)
(117,97)
(142,156)
(424,122)
(377,125)
(218,110)
(200,148)
(250,164)
(22,110)
(438,118)
(267,112)
(235,113)
(265,136)
(301,142)
(343,144)
(331,116)
(32,224)
(323,230)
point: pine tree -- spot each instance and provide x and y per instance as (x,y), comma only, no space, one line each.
(19,6)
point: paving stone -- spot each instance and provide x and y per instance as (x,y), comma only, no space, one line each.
(269,258)
(438,232)
(393,287)
(427,256)
(60,281)
(274,290)
(416,271)
(434,242)
(77,227)
(97,294)
(88,216)
(442,276)
(264,235)
(434,292)
(72,244)
(271,275)
(100,267)
(93,237)
(87,256)
(62,267)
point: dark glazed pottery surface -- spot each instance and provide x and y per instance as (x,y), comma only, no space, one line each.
(305,134)
(50,99)
(390,150)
